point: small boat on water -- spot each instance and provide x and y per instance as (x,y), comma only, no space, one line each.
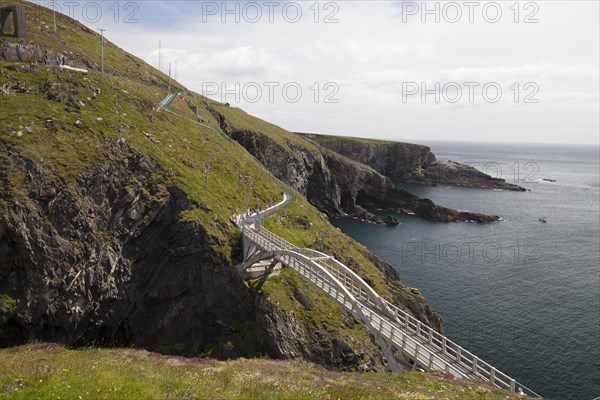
(542,219)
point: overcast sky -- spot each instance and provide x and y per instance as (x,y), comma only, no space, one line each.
(484,71)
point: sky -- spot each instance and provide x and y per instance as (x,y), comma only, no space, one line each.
(501,71)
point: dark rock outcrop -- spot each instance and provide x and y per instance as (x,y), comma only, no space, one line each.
(336,184)
(391,220)
(409,163)
(107,262)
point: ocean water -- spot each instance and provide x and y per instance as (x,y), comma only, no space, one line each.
(521,294)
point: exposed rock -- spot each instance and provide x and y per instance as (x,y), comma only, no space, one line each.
(335,184)
(368,281)
(101,263)
(283,337)
(391,220)
(303,299)
(18,52)
(409,163)
(13,87)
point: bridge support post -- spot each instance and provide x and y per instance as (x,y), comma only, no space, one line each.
(388,353)
(249,249)
(416,358)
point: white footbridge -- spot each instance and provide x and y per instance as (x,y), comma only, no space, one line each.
(404,340)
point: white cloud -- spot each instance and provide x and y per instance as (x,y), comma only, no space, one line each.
(370,53)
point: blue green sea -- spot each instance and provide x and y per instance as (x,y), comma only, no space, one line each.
(522,294)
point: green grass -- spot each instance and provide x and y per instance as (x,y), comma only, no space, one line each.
(47,371)
(324,237)
(124,110)
(240,121)
(80,44)
(321,138)
(8,301)
(111,108)
(326,316)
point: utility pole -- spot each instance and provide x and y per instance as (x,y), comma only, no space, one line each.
(176,70)
(102,41)
(54,15)
(169,76)
(159,56)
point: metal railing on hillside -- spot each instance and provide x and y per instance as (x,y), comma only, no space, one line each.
(425,346)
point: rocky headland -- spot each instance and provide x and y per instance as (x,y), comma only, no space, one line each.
(332,182)
(116,220)
(409,163)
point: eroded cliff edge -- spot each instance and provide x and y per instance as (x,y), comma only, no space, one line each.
(115,220)
(109,261)
(333,183)
(409,163)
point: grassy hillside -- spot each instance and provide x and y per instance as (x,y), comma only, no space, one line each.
(47,371)
(239,120)
(65,122)
(319,138)
(87,110)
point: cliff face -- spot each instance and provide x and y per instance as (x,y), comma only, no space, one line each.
(332,182)
(399,161)
(108,261)
(409,163)
(115,221)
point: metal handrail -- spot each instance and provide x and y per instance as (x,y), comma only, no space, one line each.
(427,346)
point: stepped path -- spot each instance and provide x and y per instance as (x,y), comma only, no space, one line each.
(165,103)
(405,341)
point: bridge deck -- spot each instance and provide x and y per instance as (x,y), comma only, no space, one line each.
(395,328)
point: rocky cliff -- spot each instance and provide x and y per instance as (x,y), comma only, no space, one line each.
(333,183)
(115,220)
(107,261)
(409,163)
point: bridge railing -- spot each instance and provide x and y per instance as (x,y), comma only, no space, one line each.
(312,271)
(457,353)
(279,241)
(446,355)
(353,282)
(327,280)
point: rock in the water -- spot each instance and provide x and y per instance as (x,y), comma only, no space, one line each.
(391,220)
(335,184)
